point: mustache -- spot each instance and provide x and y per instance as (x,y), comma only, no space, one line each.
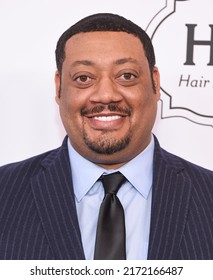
(101,108)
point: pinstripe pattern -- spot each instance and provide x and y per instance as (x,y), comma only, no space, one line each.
(37,210)
(38,217)
(182,209)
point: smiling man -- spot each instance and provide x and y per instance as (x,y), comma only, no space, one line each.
(110,191)
(106,96)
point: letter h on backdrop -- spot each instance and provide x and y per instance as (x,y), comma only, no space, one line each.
(191,42)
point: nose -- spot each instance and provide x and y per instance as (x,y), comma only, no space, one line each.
(106,92)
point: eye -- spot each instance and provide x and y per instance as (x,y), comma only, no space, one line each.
(128,76)
(83,81)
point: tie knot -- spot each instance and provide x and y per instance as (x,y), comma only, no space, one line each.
(112,182)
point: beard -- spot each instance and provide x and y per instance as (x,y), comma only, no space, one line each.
(106,145)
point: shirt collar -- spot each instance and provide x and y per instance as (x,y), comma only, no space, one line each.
(138,171)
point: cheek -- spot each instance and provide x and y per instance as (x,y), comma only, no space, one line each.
(69,113)
(145,107)
(74,99)
(69,103)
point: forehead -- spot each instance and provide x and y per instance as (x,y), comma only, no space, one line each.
(105,44)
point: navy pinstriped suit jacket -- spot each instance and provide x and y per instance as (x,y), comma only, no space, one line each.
(38,217)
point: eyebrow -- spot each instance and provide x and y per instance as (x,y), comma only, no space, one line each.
(116,62)
(83,62)
(125,60)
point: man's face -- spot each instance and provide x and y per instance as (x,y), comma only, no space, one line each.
(106,97)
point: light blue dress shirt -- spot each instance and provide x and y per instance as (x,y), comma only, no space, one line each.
(135,196)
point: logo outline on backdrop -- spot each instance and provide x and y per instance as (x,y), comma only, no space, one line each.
(168,110)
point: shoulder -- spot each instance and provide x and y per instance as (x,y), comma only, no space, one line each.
(176,175)
(23,169)
(19,173)
(34,164)
(188,169)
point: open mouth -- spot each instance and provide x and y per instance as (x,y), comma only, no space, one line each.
(107,118)
(106,121)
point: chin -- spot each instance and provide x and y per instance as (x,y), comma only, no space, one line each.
(107,146)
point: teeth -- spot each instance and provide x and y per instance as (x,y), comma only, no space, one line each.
(107,118)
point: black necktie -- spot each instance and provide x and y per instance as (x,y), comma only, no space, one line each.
(110,237)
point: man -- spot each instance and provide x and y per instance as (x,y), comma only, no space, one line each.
(107,89)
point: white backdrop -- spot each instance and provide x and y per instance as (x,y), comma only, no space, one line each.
(29,119)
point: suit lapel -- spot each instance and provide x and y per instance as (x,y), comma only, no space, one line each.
(53,193)
(170,203)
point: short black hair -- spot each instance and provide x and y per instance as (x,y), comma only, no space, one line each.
(105,22)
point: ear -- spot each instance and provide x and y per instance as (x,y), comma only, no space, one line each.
(57,86)
(156,81)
